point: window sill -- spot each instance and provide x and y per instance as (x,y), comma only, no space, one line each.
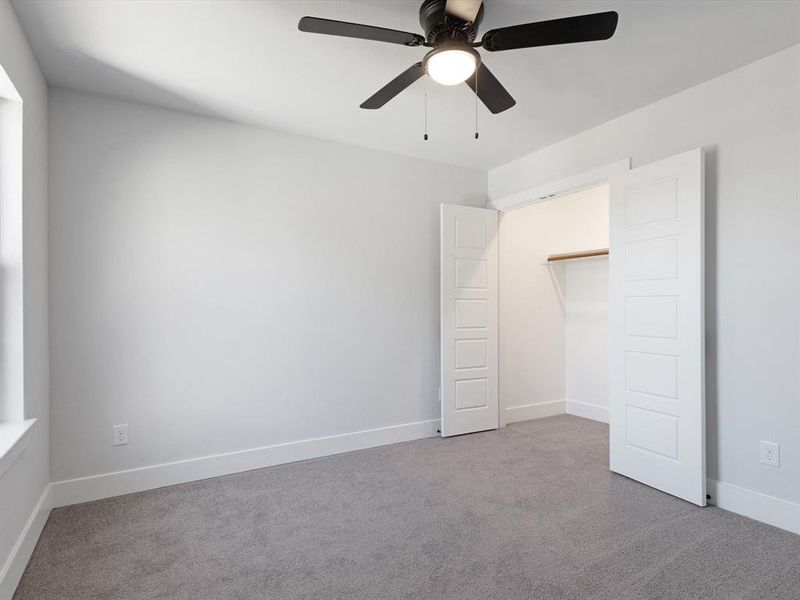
(13,437)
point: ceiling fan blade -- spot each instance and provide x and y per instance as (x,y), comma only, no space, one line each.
(584,28)
(356,30)
(466,10)
(490,90)
(394,87)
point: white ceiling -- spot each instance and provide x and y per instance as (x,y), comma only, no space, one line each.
(247,62)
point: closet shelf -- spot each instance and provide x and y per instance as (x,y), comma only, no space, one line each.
(572,255)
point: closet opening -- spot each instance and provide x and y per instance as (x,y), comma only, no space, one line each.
(553,307)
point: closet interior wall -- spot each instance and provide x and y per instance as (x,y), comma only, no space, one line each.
(554,317)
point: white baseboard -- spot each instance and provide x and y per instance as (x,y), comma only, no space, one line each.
(11,572)
(526,412)
(758,506)
(588,411)
(96,487)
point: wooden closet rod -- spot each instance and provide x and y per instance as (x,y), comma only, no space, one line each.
(571,255)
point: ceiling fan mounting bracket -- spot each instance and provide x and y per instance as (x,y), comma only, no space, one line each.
(439,27)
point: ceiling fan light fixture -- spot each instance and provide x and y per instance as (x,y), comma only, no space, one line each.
(451,66)
(451,29)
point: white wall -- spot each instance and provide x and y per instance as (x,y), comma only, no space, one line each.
(748,121)
(551,321)
(22,485)
(586,331)
(220,287)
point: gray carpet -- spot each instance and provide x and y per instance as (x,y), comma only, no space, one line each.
(529,511)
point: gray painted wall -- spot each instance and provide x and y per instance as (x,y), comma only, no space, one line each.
(220,287)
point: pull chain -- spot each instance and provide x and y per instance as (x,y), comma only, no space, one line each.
(425,137)
(476,103)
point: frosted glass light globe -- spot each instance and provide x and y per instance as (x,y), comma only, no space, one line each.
(450,67)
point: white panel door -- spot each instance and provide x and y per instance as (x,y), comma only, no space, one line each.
(469,319)
(656,331)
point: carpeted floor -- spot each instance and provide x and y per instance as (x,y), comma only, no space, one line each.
(527,512)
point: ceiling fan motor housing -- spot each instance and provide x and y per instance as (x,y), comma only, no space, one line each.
(441,28)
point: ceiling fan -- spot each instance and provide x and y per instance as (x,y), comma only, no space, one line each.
(451,27)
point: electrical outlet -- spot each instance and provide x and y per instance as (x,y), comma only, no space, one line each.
(771,453)
(120,435)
